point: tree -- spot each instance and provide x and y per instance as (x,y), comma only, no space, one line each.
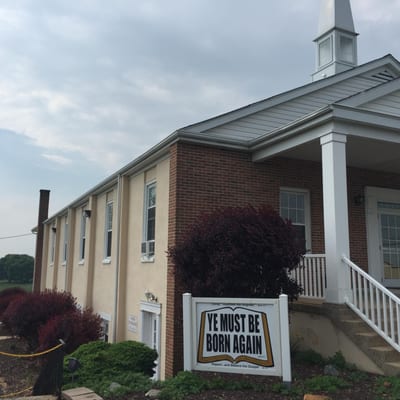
(17,268)
(239,252)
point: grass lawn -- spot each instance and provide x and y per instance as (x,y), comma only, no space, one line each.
(6,285)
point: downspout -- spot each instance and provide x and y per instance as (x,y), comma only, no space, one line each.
(117,260)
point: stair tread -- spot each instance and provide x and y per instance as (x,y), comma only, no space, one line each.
(353,321)
(382,348)
(393,363)
(367,334)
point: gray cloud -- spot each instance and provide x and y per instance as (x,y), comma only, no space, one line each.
(86,86)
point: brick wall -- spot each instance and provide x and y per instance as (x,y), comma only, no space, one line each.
(204,178)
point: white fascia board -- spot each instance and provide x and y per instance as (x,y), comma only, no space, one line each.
(371,94)
(383,126)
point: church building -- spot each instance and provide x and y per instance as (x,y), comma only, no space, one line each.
(325,155)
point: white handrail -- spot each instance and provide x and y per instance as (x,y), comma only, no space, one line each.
(375,304)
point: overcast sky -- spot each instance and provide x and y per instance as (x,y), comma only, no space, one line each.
(88,85)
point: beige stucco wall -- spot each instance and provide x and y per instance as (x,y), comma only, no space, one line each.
(104,270)
(316,332)
(147,275)
(115,287)
(79,267)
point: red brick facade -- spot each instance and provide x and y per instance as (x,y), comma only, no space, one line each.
(204,178)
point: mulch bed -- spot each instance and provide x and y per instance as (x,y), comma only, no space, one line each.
(17,375)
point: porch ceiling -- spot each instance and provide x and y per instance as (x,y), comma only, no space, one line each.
(360,153)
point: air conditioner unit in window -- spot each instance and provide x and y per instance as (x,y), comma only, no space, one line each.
(148,248)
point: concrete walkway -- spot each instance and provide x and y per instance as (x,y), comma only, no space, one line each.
(80,393)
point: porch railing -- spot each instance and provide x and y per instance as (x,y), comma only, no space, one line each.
(311,276)
(375,304)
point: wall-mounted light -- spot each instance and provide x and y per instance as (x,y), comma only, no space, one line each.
(54,229)
(150,296)
(359,200)
(87,213)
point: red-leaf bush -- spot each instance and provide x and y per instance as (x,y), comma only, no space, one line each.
(26,314)
(239,252)
(74,328)
(7,296)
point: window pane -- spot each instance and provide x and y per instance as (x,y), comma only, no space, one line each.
(292,201)
(109,240)
(325,52)
(300,217)
(152,196)
(301,236)
(346,49)
(284,200)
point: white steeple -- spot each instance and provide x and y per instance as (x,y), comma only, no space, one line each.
(336,41)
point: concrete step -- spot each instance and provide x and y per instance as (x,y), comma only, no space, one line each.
(392,368)
(371,338)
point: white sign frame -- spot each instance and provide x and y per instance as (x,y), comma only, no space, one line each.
(272,354)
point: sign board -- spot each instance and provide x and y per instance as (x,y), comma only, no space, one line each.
(248,336)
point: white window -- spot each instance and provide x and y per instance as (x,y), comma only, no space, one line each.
(149,222)
(65,243)
(346,44)
(325,52)
(295,206)
(108,229)
(53,243)
(82,241)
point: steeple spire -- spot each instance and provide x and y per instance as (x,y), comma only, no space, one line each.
(336,41)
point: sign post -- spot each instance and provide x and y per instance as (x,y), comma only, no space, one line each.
(248,336)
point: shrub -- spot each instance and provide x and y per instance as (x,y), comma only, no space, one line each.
(26,314)
(182,385)
(186,383)
(74,328)
(7,296)
(128,363)
(326,383)
(239,252)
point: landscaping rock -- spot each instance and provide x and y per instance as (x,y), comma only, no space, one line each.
(331,370)
(114,386)
(153,393)
(315,397)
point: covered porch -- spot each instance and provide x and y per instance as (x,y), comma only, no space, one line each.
(351,144)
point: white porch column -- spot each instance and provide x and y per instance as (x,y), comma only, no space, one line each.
(336,222)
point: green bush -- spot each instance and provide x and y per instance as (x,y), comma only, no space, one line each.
(325,383)
(183,384)
(309,357)
(186,383)
(129,363)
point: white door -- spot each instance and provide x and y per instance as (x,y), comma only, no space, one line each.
(151,334)
(389,224)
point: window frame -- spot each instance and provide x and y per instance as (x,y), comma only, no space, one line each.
(53,233)
(82,236)
(307,213)
(65,241)
(148,243)
(108,227)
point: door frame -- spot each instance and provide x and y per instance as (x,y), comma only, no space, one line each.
(154,309)
(373,196)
